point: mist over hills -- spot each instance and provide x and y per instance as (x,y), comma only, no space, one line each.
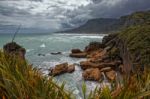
(106,25)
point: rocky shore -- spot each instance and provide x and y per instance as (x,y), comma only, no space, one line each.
(101,57)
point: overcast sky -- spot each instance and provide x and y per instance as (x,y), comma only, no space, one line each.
(55,15)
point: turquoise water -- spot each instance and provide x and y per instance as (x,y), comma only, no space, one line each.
(45,44)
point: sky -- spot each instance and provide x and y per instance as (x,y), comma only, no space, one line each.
(55,15)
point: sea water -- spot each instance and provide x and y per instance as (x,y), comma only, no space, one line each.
(40,46)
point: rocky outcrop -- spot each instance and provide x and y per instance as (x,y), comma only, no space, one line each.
(76,51)
(62,68)
(87,64)
(78,55)
(92,74)
(14,49)
(93,46)
(111,75)
(59,69)
(71,68)
(97,54)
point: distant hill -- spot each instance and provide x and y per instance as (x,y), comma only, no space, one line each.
(106,25)
(100,25)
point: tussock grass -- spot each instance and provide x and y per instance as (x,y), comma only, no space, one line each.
(18,80)
(136,87)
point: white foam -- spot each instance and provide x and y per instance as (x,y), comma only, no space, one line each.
(43,45)
(29,50)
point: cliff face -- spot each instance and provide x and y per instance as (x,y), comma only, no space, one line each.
(107,25)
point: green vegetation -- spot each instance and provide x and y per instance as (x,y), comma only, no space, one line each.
(18,80)
(138,42)
(137,87)
(137,18)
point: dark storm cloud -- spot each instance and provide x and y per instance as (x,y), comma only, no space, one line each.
(103,8)
(56,15)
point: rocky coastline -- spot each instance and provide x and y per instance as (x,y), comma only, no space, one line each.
(101,58)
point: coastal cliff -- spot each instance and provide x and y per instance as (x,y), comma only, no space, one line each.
(110,25)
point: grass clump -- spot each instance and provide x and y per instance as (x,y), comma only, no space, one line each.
(136,87)
(18,80)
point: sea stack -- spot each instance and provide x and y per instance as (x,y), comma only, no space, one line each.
(14,49)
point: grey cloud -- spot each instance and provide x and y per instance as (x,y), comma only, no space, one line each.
(54,15)
(119,8)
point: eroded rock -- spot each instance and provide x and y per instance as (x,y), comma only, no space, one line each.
(78,55)
(111,75)
(106,69)
(71,68)
(92,74)
(76,51)
(59,69)
(93,46)
(62,68)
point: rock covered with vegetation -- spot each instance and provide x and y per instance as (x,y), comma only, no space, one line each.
(14,49)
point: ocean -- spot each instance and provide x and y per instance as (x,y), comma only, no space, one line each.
(45,44)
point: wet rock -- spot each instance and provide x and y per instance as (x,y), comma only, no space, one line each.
(111,75)
(106,69)
(97,54)
(87,64)
(78,55)
(62,68)
(76,51)
(59,69)
(94,60)
(56,53)
(41,54)
(71,68)
(92,74)
(93,46)
(14,49)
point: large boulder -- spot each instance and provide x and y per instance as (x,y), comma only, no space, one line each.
(111,75)
(71,68)
(93,46)
(62,68)
(92,74)
(59,69)
(76,51)
(78,55)
(14,49)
